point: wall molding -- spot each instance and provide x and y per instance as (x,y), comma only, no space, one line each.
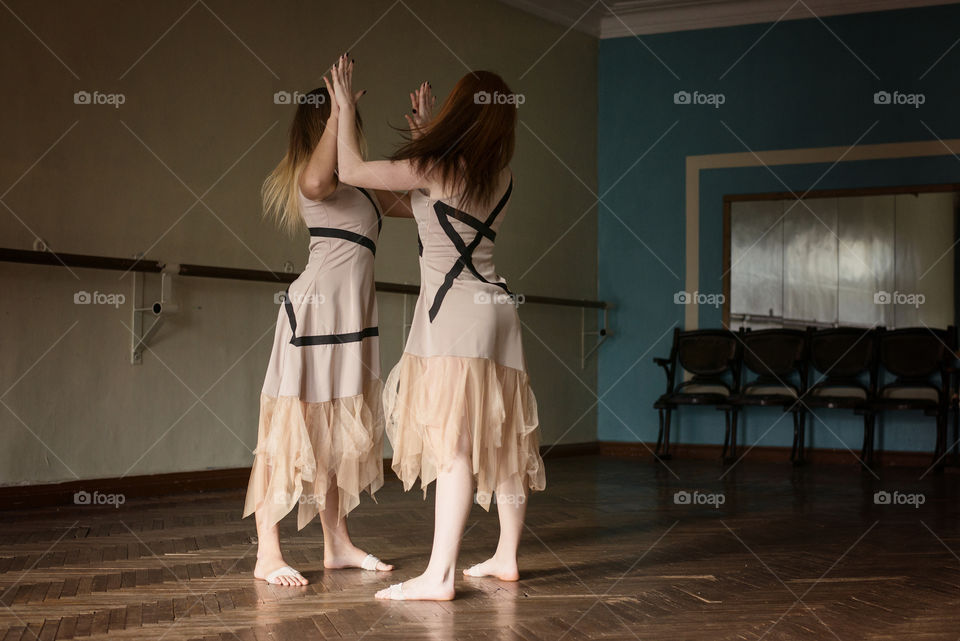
(158,485)
(639,17)
(769,454)
(54,495)
(625,18)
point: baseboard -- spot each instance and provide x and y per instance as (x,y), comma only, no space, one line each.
(561,450)
(818,456)
(145,486)
(153,485)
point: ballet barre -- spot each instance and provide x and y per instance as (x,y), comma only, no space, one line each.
(166,305)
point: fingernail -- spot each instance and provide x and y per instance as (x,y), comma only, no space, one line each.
(414,111)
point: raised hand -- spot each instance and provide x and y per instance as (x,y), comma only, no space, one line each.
(342,74)
(422,101)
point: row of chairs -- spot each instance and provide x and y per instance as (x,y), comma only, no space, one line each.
(844,368)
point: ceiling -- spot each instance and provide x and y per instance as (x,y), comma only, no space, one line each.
(617,18)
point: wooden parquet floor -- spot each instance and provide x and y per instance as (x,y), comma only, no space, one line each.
(609,553)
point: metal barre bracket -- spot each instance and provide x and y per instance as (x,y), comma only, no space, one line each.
(160,309)
(603,334)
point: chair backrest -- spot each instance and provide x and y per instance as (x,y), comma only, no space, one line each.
(843,352)
(917,353)
(774,353)
(706,352)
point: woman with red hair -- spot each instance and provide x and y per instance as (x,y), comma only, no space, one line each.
(458,405)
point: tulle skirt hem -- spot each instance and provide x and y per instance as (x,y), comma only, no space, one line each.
(302,447)
(433,404)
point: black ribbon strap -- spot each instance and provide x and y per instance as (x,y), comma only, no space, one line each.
(343,234)
(323,339)
(444,213)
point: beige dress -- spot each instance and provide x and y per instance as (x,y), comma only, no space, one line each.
(320,410)
(462,373)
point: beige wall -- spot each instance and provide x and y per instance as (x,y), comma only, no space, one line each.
(199,117)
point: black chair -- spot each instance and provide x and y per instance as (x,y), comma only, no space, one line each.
(711,356)
(777,358)
(920,359)
(844,357)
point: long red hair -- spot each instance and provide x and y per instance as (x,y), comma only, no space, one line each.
(471,140)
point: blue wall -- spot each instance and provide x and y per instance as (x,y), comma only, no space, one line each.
(799,86)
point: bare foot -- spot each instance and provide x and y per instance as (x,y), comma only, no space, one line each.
(420,588)
(266,566)
(503,570)
(349,557)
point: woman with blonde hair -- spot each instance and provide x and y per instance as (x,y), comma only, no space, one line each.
(320,436)
(459,407)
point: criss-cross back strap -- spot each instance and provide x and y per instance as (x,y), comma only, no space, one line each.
(483,228)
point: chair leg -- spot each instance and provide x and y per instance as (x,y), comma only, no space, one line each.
(799,437)
(864,450)
(803,436)
(663,452)
(796,438)
(869,431)
(726,435)
(656,450)
(944,433)
(732,454)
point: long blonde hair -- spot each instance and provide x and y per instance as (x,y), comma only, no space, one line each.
(280,191)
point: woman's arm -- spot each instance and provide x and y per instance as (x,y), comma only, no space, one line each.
(378,174)
(394,204)
(421,112)
(318,179)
